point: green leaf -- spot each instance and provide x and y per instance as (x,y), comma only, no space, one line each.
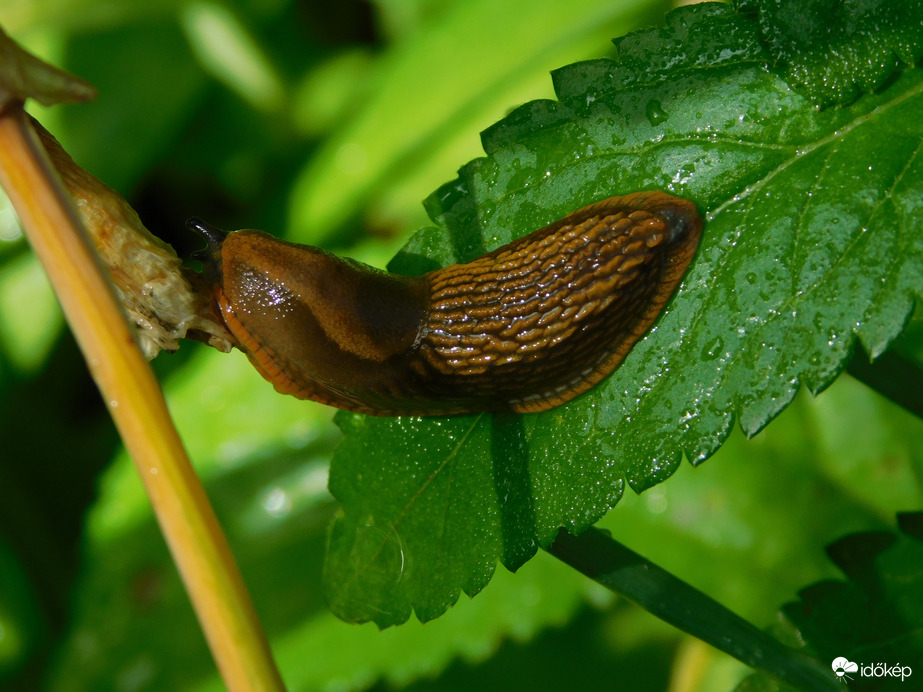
(595,554)
(834,50)
(402,138)
(24,76)
(152,51)
(133,625)
(720,526)
(813,240)
(872,619)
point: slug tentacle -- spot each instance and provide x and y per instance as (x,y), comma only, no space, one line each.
(524,328)
(213,236)
(210,256)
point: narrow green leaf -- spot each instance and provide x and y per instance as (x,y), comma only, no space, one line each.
(813,240)
(401,135)
(597,555)
(893,375)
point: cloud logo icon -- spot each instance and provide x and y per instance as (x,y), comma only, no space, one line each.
(841,666)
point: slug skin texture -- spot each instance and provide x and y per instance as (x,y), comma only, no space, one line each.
(524,328)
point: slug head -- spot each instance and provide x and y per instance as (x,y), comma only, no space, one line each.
(315,325)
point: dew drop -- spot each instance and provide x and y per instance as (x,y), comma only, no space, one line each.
(277,503)
(655,112)
(713,349)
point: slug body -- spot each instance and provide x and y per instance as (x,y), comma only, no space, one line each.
(524,328)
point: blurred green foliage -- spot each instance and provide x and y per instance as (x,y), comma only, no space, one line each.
(328,123)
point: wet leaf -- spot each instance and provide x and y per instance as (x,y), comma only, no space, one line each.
(721,526)
(833,51)
(813,241)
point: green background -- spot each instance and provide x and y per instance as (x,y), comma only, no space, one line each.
(329,123)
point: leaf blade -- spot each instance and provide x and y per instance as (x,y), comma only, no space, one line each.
(812,241)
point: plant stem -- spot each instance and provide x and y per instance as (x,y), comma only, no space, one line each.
(134,399)
(892,375)
(597,555)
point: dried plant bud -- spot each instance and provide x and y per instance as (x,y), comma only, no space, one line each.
(166,302)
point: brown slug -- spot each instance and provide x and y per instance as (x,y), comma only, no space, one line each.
(524,328)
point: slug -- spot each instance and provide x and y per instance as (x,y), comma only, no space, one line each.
(524,328)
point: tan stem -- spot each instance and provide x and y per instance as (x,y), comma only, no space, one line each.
(134,399)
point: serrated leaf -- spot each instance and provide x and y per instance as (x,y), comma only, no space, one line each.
(835,50)
(813,240)
(721,526)
(872,618)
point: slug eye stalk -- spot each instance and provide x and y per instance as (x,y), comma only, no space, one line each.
(213,235)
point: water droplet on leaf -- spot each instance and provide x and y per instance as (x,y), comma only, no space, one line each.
(655,112)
